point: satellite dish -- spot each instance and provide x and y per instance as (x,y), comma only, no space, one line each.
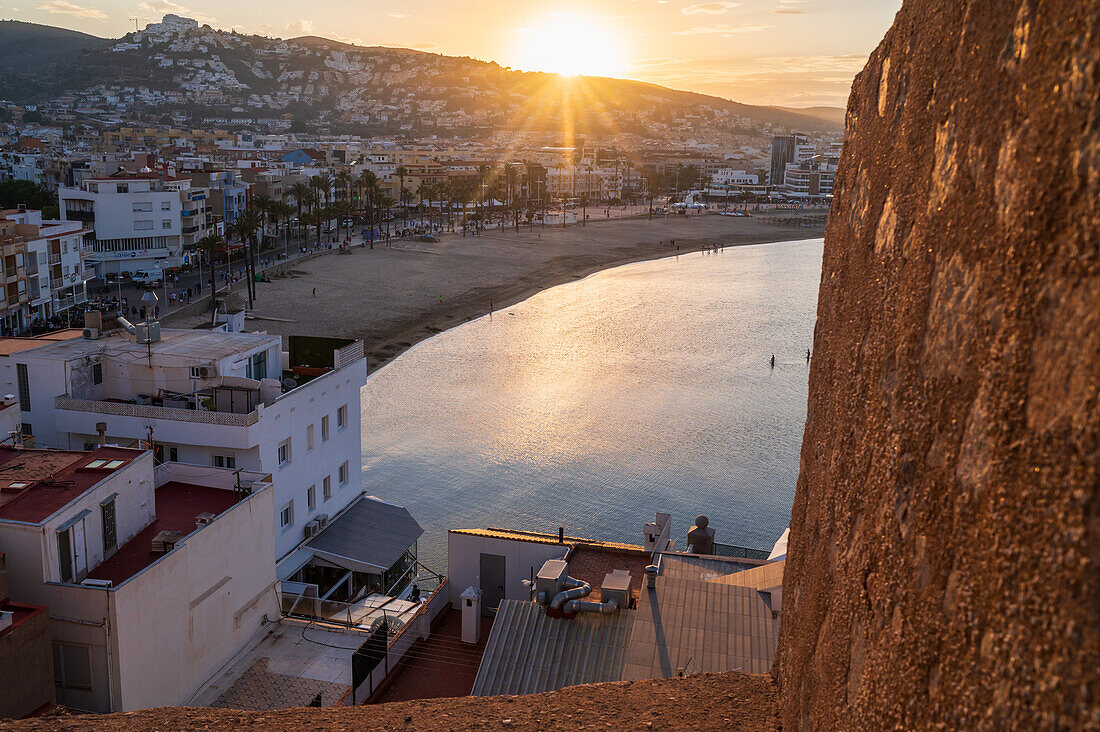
(289,383)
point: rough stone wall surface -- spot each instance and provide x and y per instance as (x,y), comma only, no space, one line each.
(944,559)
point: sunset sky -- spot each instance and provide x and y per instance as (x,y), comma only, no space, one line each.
(789,52)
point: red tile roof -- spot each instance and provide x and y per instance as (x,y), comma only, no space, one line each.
(177,505)
(54,478)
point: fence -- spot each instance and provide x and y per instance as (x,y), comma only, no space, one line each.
(417,628)
(739,552)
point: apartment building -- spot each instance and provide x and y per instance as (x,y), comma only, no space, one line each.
(135,221)
(811,178)
(154,576)
(225,400)
(49,265)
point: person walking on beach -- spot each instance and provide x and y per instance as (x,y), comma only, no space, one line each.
(807,355)
(315,292)
(773,360)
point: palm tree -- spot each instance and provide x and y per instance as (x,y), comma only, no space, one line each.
(401,171)
(511,174)
(300,192)
(211,245)
(322,184)
(423,190)
(246,226)
(263,203)
(344,180)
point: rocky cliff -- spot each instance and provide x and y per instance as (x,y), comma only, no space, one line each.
(943,564)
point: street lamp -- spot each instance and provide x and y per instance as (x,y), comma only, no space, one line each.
(149,301)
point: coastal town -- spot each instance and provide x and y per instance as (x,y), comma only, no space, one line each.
(366,386)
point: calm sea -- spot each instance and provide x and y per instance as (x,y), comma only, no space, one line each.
(598,403)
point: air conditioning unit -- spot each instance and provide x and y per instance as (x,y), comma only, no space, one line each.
(100,583)
(322,520)
(204,372)
(312,529)
(204,518)
(91,334)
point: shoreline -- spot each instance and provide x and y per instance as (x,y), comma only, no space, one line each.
(395,297)
(385,350)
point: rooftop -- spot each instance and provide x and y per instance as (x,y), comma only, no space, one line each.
(8,346)
(539,537)
(177,505)
(35,484)
(198,345)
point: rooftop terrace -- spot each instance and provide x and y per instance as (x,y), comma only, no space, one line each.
(177,506)
(35,484)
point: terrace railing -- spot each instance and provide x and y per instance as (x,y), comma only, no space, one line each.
(144,411)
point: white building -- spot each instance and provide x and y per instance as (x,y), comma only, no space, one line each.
(55,263)
(154,577)
(136,220)
(732,177)
(227,400)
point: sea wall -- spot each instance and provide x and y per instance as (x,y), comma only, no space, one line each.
(945,539)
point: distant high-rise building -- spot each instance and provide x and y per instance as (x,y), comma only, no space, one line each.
(787,149)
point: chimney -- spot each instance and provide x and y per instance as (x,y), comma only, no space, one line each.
(561,534)
(101,428)
(651,577)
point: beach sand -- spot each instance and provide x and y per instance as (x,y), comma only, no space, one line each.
(394,297)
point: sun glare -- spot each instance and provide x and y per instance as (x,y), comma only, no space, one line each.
(571,45)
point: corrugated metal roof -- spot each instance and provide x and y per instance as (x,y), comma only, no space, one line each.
(369,535)
(529,652)
(700,626)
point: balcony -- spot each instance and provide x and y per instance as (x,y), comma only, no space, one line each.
(56,283)
(148,412)
(55,259)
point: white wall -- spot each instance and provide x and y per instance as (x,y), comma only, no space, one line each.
(182,617)
(289,417)
(521,559)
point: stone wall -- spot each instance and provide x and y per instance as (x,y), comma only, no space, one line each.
(945,539)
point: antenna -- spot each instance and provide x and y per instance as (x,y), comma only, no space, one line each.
(135,24)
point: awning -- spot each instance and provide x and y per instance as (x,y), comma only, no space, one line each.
(370,536)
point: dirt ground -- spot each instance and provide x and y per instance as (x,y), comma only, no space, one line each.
(704,702)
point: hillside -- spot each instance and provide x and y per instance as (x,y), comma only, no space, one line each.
(833,115)
(35,59)
(180,67)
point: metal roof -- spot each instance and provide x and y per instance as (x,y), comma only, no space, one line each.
(370,536)
(529,652)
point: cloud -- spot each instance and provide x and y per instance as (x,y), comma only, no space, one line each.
(162,6)
(63,7)
(716,8)
(782,80)
(399,15)
(300,27)
(721,29)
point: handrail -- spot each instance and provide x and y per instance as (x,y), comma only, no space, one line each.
(144,411)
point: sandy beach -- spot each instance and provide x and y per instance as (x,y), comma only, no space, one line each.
(393,297)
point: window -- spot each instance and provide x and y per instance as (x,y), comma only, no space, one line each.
(165,453)
(65,554)
(286,516)
(324,425)
(122,188)
(165,205)
(110,538)
(259,366)
(342,416)
(143,225)
(284,452)
(309,437)
(72,666)
(344,473)
(24,387)
(97,373)
(225,461)
(311,497)
(166,224)
(326,487)
(143,206)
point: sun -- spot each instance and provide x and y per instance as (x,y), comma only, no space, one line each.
(569,44)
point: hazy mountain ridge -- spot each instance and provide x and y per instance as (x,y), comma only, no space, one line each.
(184,67)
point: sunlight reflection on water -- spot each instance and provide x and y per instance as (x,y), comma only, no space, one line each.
(596,404)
